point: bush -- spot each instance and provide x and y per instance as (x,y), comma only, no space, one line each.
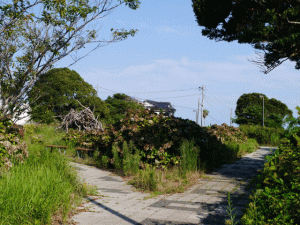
(158,140)
(277,197)
(263,135)
(12,149)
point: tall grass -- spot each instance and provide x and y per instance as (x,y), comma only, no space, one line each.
(170,179)
(164,181)
(117,161)
(131,159)
(189,156)
(33,192)
(37,136)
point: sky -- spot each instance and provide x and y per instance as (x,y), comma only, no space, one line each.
(170,58)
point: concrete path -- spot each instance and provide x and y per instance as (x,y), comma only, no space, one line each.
(204,203)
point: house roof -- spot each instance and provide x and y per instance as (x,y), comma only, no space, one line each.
(159,105)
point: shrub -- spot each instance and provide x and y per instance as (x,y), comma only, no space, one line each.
(277,197)
(158,139)
(263,135)
(12,149)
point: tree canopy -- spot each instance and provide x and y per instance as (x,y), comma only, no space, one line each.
(118,106)
(56,93)
(34,35)
(272,27)
(249,110)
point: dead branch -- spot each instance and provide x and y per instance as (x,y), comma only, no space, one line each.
(260,62)
(83,120)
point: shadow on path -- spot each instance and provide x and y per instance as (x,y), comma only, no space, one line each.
(214,212)
(243,170)
(113,211)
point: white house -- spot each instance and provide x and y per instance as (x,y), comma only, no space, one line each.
(23,118)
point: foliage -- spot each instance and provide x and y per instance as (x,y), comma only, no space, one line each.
(189,156)
(146,179)
(249,110)
(269,136)
(230,212)
(46,185)
(42,176)
(276,200)
(118,106)
(225,133)
(158,139)
(34,35)
(12,149)
(131,162)
(293,123)
(272,27)
(205,113)
(56,92)
(165,181)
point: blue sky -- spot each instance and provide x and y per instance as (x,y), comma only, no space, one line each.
(169,53)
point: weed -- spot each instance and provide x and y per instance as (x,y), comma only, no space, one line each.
(130,161)
(230,212)
(189,156)
(31,193)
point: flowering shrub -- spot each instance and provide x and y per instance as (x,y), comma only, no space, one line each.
(12,150)
(226,133)
(158,138)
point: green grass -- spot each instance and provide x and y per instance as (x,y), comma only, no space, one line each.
(164,181)
(33,192)
(44,189)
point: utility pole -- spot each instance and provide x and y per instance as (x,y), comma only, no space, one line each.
(263,97)
(196,115)
(230,116)
(198,111)
(201,88)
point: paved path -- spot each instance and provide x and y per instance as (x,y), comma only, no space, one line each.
(204,203)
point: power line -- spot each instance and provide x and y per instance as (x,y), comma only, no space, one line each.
(106,89)
(161,91)
(177,96)
(148,92)
(183,107)
(155,98)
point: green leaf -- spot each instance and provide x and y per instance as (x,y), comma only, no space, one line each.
(272,168)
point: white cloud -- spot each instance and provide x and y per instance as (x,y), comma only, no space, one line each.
(225,82)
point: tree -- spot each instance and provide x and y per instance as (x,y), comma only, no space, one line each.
(269,26)
(58,91)
(34,35)
(249,110)
(205,114)
(118,106)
